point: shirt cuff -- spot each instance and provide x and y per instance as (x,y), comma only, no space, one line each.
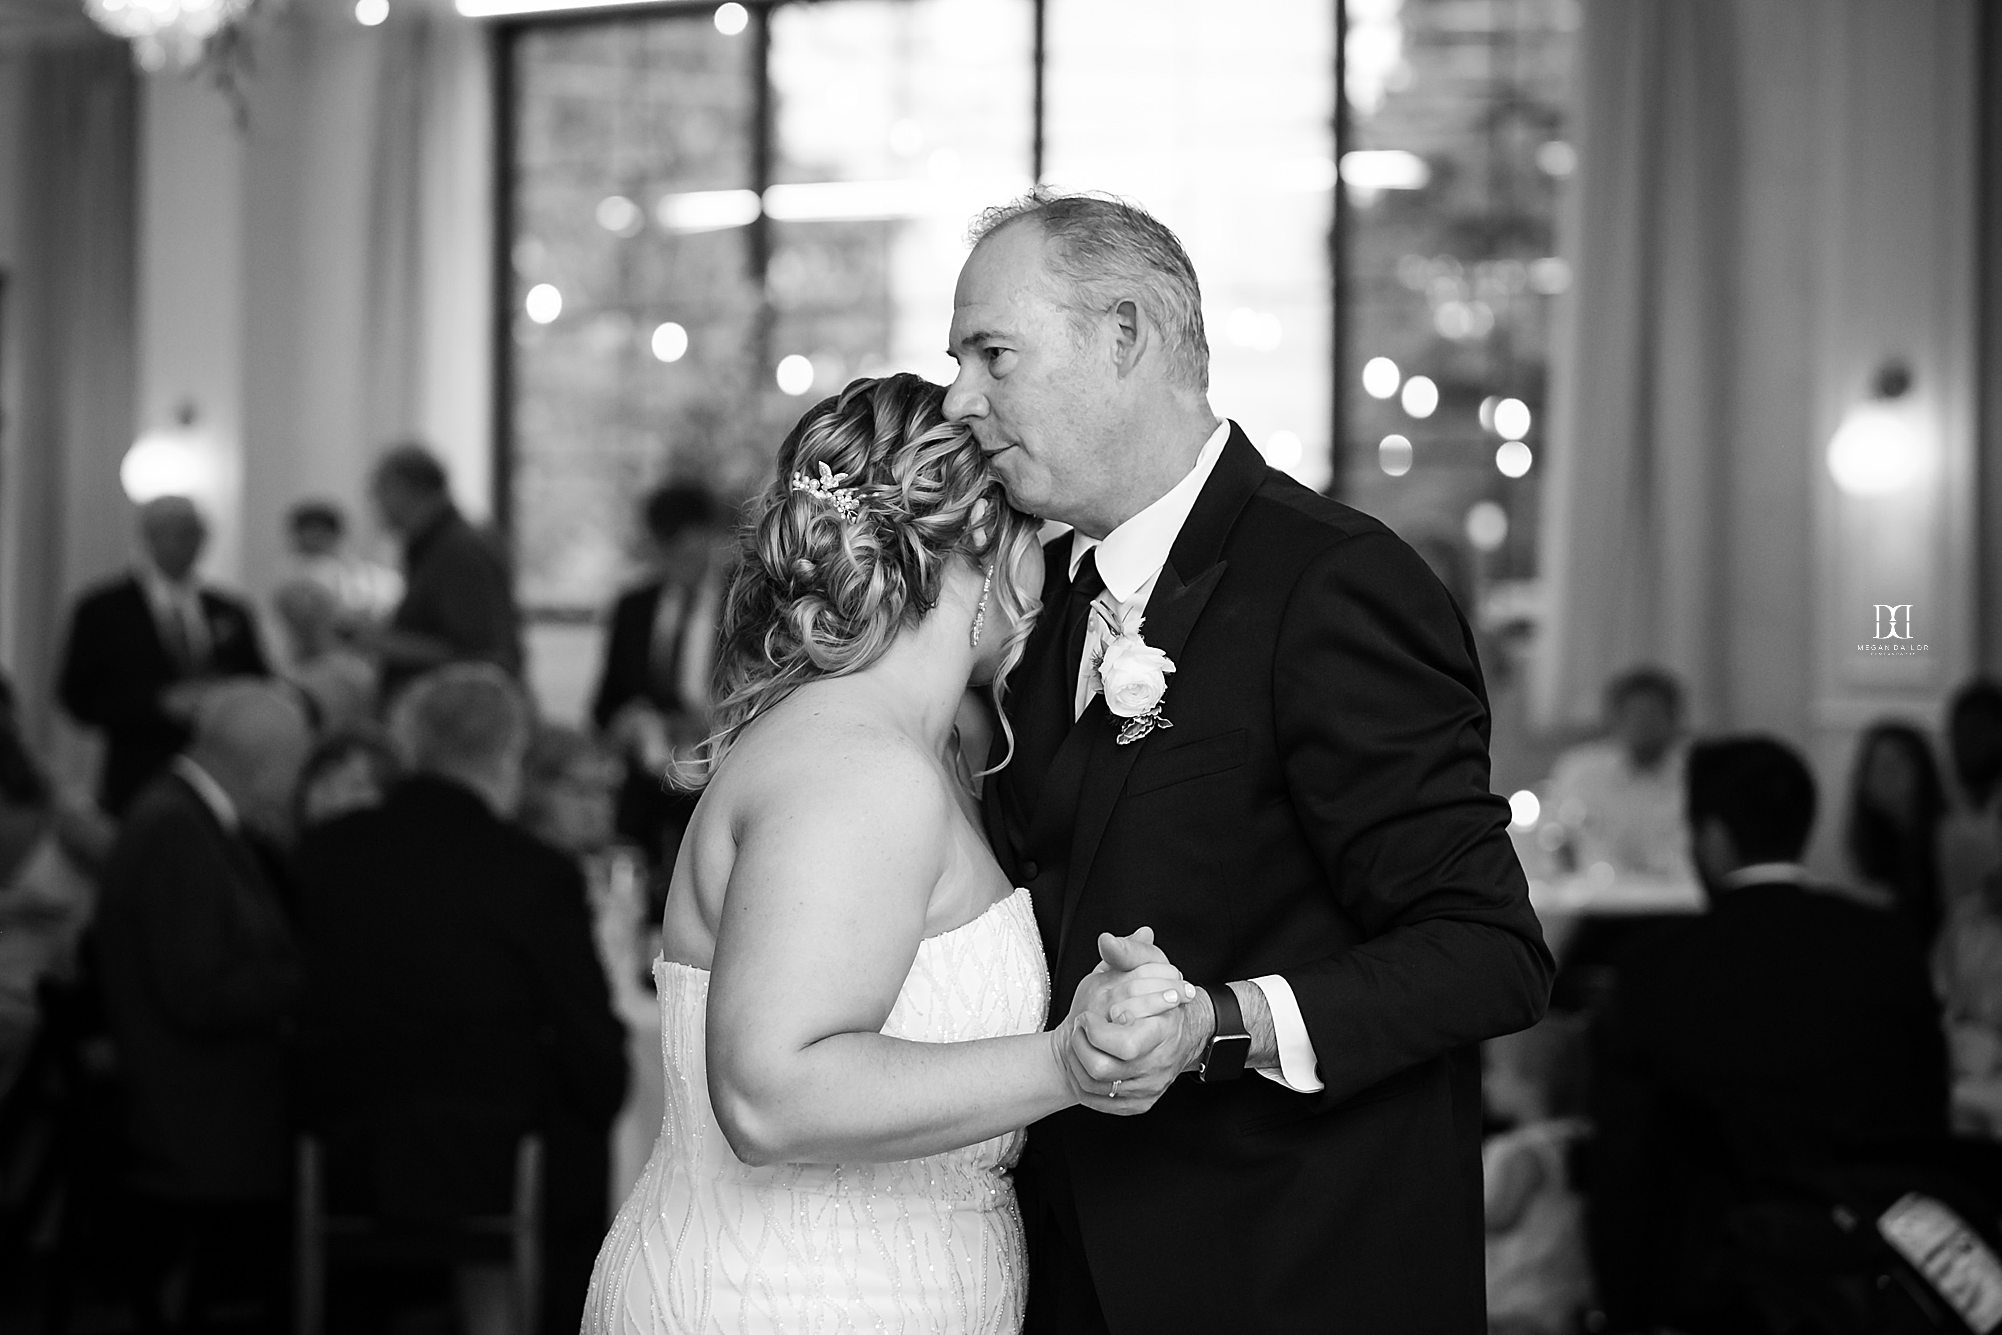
(1299,1069)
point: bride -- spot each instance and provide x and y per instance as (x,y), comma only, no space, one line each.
(852,997)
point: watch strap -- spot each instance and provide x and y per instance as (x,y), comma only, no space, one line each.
(1230,1040)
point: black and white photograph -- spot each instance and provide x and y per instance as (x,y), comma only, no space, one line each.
(1001,667)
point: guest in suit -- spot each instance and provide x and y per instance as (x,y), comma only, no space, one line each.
(1786,1032)
(458,593)
(450,961)
(143,647)
(201,976)
(653,691)
(1313,839)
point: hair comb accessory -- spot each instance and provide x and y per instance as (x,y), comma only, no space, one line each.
(847,500)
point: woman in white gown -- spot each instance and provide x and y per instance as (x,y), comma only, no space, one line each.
(852,997)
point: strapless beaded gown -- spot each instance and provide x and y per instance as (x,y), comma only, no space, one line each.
(706,1243)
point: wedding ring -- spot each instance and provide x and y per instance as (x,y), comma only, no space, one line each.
(1115,1089)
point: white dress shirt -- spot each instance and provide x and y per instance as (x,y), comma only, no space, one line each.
(212,794)
(178,605)
(1129,561)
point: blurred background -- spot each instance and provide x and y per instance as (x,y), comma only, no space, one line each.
(1583,321)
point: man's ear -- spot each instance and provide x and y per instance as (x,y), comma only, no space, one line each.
(1132,336)
(1716,852)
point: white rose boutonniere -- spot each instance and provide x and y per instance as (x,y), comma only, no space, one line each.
(1133,675)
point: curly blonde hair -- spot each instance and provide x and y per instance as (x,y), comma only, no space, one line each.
(821,593)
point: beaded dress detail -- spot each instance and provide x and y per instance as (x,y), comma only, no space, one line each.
(707,1243)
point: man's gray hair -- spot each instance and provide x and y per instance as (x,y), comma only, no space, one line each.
(1106,250)
(463,720)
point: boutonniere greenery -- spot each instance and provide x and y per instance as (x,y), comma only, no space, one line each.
(1133,676)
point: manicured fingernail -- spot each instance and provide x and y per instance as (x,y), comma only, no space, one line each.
(1170,997)
(1190,991)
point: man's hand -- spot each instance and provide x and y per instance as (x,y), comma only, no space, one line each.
(1122,1039)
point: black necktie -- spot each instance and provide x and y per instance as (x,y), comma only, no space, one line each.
(1086,585)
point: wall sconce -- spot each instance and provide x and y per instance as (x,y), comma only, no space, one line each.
(1876,451)
(177,461)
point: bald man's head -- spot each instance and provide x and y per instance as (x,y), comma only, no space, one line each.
(174,533)
(252,738)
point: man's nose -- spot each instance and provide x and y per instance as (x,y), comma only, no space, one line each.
(963,399)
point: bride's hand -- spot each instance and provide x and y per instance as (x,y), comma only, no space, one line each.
(1133,990)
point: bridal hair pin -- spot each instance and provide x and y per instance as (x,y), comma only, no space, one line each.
(848,500)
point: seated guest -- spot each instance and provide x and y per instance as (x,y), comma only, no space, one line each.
(201,976)
(450,965)
(1621,796)
(1970,835)
(349,770)
(653,691)
(1967,973)
(1619,799)
(1539,1279)
(46,897)
(363,591)
(568,801)
(1789,1030)
(1896,803)
(143,647)
(458,595)
(338,681)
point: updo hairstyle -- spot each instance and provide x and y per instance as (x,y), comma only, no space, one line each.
(829,575)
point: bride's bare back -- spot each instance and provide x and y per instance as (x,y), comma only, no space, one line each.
(808,754)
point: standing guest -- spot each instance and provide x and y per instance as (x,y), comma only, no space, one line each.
(201,978)
(458,597)
(1314,839)
(1788,1031)
(1896,803)
(1621,795)
(144,647)
(653,691)
(450,963)
(363,591)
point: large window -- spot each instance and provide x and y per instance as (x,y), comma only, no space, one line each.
(1455,173)
(717,214)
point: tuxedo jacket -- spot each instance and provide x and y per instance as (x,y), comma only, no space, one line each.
(648,809)
(201,978)
(1320,810)
(115,668)
(628,672)
(1742,1054)
(449,952)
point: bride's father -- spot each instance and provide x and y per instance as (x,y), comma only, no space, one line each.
(1302,815)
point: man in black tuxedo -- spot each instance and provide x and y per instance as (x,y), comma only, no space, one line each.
(450,967)
(1308,828)
(143,647)
(1747,1052)
(201,979)
(653,691)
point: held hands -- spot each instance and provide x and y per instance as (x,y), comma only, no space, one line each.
(1133,1026)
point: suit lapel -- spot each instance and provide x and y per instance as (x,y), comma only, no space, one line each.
(1093,746)
(1195,566)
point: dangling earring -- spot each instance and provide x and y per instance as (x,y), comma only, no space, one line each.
(980,611)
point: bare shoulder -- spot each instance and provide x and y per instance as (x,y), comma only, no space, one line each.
(816,763)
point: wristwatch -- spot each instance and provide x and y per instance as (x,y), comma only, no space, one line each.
(1230,1043)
